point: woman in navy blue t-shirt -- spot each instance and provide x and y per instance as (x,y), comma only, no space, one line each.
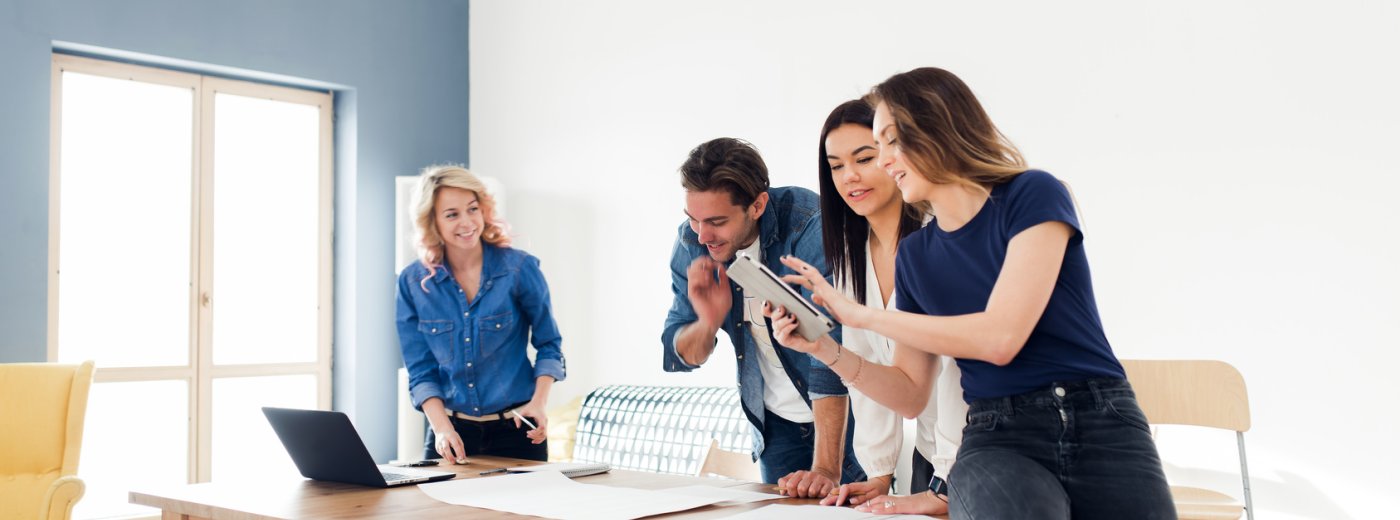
(1000,282)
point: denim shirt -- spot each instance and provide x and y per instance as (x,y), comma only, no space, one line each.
(790,225)
(472,354)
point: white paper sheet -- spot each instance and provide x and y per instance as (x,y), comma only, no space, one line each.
(552,495)
(725,495)
(782,512)
(569,469)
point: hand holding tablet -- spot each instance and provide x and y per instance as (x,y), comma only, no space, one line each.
(764,284)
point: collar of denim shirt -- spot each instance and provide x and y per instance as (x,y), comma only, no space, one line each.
(490,265)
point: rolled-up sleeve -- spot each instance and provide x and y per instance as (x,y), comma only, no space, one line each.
(544,331)
(821,381)
(423,382)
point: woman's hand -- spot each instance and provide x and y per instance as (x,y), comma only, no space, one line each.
(921,504)
(858,492)
(785,330)
(449,445)
(535,411)
(843,309)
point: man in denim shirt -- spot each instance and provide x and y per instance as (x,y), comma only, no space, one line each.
(787,396)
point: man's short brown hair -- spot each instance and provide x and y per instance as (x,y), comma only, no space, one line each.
(728,164)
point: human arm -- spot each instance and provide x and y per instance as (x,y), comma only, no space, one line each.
(447,442)
(533,297)
(903,387)
(995,335)
(701,299)
(535,410)
(829,416)
(925,503)
(425,386)
(861,492)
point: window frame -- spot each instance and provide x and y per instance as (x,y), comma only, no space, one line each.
(199,372)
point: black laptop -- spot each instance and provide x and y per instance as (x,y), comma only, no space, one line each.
(325,446)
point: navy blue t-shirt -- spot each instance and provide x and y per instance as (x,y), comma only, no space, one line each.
(939,273)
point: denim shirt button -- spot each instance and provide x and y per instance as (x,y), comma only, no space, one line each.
(498,325)
(469,365)
(466,315)
(469,340)
(1059,391)
(471,385)
(741,356)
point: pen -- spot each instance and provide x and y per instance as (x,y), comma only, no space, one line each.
(494,471)
(522,417)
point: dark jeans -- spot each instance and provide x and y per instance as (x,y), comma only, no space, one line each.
(1078,450)
(500,438)
(788,447)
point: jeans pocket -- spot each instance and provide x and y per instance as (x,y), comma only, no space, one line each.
(1126,409)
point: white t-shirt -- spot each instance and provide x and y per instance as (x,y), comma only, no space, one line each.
(779,395)
(879,430)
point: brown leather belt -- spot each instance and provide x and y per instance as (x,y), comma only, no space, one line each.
(474,418)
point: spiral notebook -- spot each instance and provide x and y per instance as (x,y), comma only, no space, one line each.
(569,469)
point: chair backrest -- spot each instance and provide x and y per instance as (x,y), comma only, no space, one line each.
(732,464)
(42,407)
(662,429)
(1191,392)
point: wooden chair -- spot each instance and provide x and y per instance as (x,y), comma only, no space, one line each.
(42,408)
(1197,393)
(732,464)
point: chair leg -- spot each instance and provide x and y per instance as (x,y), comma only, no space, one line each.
(1244,475)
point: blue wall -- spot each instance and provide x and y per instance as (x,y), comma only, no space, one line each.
(404,69)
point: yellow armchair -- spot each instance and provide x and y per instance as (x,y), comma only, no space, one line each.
(42,406)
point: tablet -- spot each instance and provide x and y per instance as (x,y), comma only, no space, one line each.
(762,283)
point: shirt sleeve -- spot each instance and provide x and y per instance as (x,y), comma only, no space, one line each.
(879,431)
(535,303)
(904,272)
(423,382)
(821,381)
(1036,197)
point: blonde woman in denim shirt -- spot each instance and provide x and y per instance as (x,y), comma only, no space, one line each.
(465,311)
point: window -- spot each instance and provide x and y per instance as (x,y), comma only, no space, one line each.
(190,257)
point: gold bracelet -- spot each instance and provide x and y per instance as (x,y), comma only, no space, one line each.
(855,380)
(838,357)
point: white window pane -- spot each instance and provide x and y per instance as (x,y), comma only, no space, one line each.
(266,218)
(124,222)
(244,445)
(136,435)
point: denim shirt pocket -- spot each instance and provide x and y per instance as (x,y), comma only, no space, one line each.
(438,334)
(496,331)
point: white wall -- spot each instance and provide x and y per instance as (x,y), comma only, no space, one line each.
(1233,160)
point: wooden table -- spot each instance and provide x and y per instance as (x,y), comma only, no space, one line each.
(300,498)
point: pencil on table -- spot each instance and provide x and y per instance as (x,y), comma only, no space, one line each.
(834,492)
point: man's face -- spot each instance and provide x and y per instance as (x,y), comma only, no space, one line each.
(723,227)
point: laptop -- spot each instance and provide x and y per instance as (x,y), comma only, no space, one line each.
(325,446)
